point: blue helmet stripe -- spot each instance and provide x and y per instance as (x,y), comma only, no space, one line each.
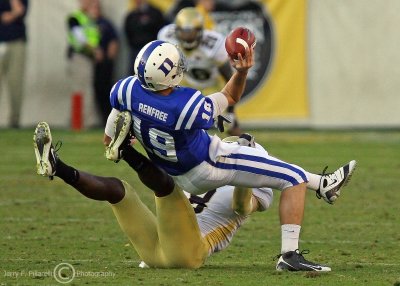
(143,60)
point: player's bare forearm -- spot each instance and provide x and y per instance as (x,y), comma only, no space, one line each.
(234,88)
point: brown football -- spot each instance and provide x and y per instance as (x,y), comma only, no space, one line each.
(238,40)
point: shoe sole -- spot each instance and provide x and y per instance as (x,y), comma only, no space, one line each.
(352,167)
(122,124)
(282,265)
(42,143)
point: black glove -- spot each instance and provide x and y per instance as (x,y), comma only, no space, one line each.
(220,122)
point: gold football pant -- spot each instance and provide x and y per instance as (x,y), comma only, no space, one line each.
(170,239)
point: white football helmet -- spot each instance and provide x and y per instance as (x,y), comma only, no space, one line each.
(160,65)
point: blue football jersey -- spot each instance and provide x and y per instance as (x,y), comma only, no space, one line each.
(171,128)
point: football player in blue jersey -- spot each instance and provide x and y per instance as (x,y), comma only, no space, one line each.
(171,121)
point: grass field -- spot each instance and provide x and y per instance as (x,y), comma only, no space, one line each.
(43,223)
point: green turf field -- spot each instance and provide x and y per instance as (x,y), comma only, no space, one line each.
(43,223)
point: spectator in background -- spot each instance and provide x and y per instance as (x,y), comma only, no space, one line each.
(12,53)
(141,26)
(104,57)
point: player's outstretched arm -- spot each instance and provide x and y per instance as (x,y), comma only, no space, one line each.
(234,88)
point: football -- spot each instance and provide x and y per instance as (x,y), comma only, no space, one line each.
(238,40)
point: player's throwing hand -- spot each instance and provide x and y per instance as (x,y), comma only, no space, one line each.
(243,64)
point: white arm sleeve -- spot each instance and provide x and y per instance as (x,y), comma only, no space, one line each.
(109,130)
(220,103)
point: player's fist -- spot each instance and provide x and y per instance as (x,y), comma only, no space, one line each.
(239,41)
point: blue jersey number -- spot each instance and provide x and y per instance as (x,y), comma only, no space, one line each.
(161,143)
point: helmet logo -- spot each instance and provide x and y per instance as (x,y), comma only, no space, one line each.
(167,66)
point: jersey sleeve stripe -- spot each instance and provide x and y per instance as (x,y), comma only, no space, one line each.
(120,91)
(113,88)
(185,110)
(129,94)
(194,114)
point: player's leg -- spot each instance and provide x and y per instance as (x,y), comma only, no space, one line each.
(140,225)
(180,239)
(244,166)
(181,242)
(135,219)
(180,236)
(49,164)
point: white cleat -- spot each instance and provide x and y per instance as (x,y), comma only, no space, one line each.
(332,183)
(46,157)
(122,126)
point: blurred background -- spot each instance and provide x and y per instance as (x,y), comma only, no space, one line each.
(320,64)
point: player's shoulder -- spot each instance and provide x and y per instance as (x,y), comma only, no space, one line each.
(167,33)
(122,83)
(186,92)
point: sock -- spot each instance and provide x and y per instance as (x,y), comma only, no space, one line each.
(134,159)
(147,172)
(290,237)
(313,181)
(67,173)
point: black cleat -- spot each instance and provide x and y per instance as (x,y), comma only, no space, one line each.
(295,261)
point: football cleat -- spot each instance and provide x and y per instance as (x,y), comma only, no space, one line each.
(122,127)
(295,261)
(331,184)
(46,156)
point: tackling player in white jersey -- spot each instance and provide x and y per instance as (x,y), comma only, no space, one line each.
(179,235)
(208,67)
